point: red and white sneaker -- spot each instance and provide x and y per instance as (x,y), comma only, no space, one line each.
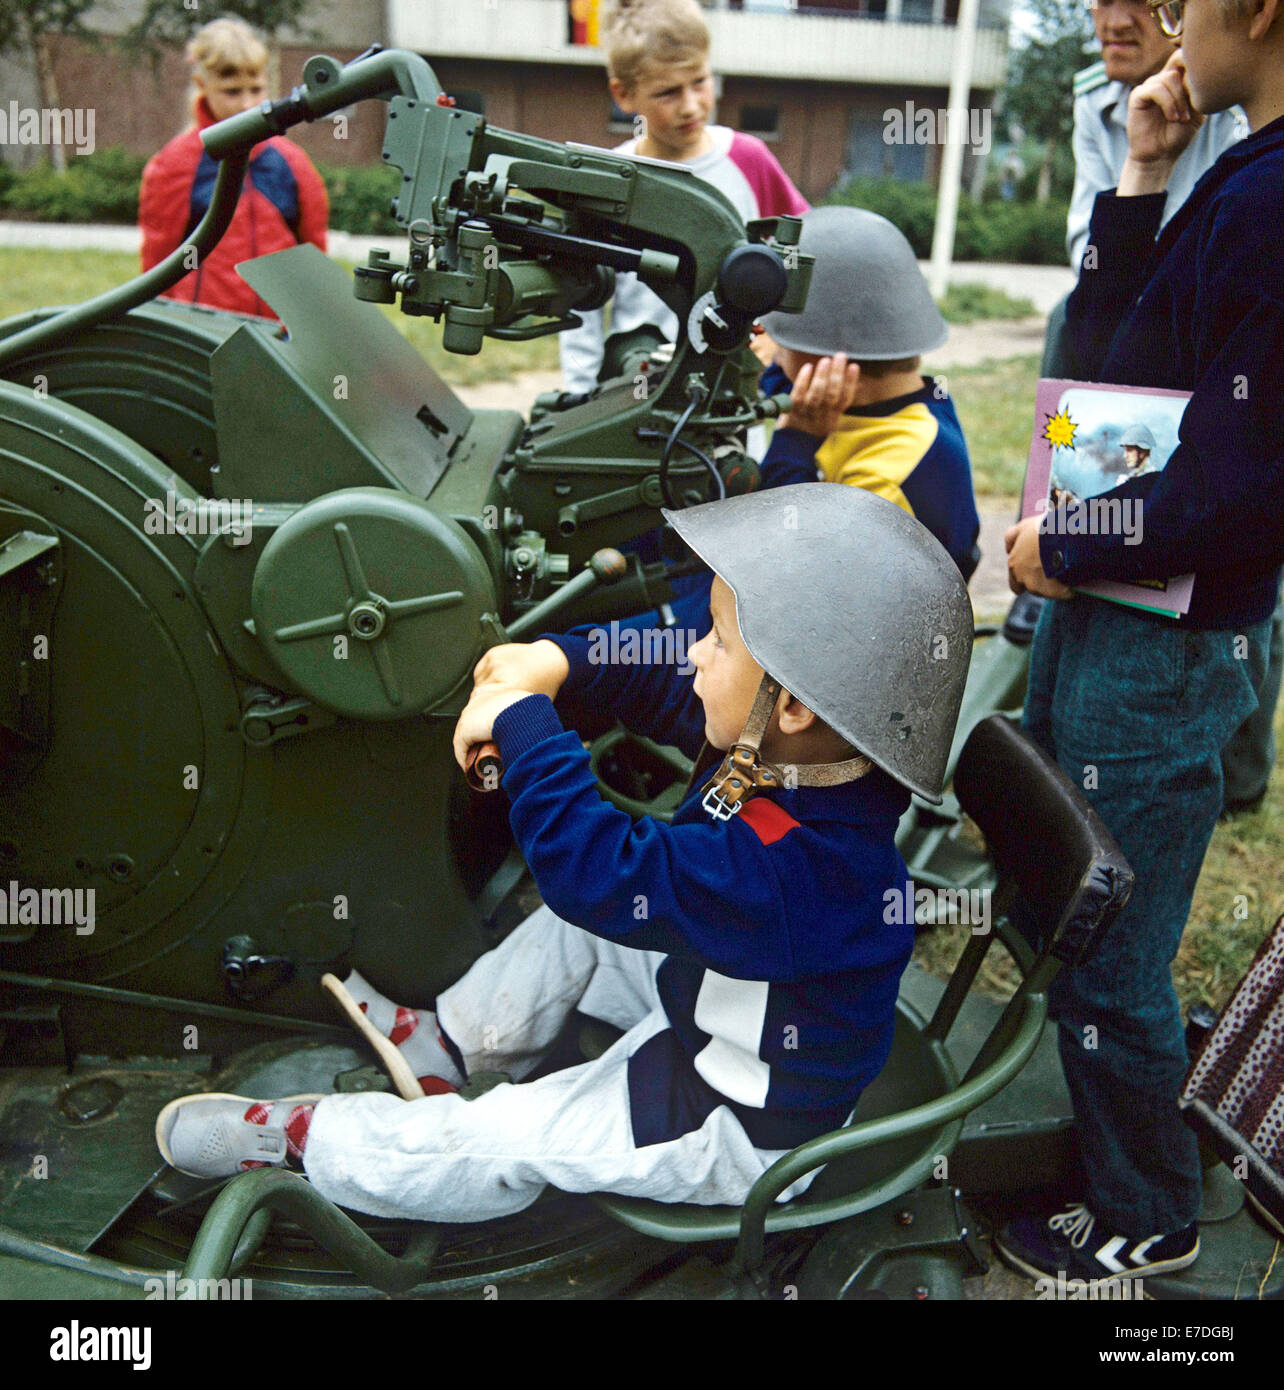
(217,1135)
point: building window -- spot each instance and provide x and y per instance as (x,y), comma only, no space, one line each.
(870,156)
(762,121)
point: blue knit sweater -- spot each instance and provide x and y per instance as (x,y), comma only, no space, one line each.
(1201,310)
(783,955)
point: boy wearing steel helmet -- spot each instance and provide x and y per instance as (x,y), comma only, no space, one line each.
(746,947)
(862,412)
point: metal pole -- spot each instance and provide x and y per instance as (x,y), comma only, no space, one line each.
(958,125)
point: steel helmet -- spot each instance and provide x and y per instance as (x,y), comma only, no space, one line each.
(1137,437)
(855,608)
(868,297)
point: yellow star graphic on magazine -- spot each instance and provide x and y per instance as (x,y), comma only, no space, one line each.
(1059,431)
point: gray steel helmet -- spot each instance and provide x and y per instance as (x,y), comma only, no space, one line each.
(855,608)
(868,297)
(1138,437)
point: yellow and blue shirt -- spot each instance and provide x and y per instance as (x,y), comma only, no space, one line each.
(909,449)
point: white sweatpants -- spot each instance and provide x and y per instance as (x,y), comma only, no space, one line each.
(451,1160)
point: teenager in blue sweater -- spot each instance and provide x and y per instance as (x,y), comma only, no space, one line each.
(1138,708)
(747,948)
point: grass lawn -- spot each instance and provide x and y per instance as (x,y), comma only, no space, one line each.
(973,303)
(995,405)
(1241,888)
(995,402)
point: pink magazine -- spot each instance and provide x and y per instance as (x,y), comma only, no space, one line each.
(1088,438)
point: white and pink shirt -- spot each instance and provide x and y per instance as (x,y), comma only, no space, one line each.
(739,166)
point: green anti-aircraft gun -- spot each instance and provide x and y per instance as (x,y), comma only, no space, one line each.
(245,575)
(220,713)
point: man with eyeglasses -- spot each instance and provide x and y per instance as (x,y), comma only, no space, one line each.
(1133,48)
(1136,708)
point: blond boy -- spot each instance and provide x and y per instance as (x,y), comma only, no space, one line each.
(283,203)
(658,66)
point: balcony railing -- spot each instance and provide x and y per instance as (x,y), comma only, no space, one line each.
(994,13)
(910,43)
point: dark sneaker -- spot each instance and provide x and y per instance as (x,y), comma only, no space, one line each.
(1074,1243)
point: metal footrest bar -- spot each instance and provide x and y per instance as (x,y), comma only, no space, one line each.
(216,1242)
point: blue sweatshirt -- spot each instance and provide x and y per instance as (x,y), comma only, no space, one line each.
(784,951)
(1201,310)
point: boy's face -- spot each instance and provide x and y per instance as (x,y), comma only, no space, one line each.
(232,93)
(727,677)
(676,104)
(1218,55)
(1133,45)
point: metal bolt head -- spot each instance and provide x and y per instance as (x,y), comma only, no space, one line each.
(367,620)
(90,1100)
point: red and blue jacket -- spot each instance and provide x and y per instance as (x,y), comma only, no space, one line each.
(283,202)
(783,959)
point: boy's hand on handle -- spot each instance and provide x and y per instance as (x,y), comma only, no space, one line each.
(539,668)
(477,722)
(821,396)
(1025,565)
(1161,123)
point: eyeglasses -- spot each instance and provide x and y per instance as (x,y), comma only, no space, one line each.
(1169,13)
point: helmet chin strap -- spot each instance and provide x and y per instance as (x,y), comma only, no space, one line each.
(744,770)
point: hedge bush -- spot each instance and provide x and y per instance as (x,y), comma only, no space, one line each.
(103,187)
(98,187)
(359,197)
(986,231)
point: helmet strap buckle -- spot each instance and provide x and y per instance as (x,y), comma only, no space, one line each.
(718,807)
(744,770)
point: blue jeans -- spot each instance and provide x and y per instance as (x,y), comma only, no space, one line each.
(1137,714)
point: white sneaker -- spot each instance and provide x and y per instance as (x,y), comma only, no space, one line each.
(217,1135)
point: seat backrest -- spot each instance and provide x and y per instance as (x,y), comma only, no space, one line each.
(1068,877)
